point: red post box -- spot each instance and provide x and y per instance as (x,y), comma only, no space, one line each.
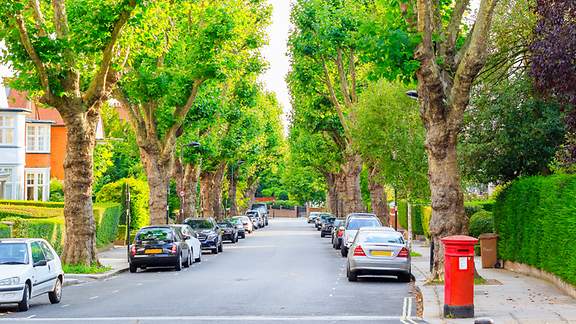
(459,276)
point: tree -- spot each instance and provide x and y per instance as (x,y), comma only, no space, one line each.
(446,74)
(390,137)
(67,55)
(196,42)
(509,132)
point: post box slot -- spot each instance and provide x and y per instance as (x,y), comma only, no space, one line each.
(463,250)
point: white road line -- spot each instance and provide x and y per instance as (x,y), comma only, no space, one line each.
(241,318)
(115,291)
(31,316)
(93,297)
(64,306)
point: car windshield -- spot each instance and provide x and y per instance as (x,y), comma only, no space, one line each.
(252,214)
(356,223)
(13,253)
(155,234)
(380,238)
(225,225)
(199,224)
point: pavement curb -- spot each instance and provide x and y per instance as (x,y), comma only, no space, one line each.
(99,276)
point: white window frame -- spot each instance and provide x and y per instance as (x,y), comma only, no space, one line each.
(32,138)
(10,184)
(36,174)
(5,129)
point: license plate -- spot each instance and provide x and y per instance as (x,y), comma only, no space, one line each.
(153,251)
(381,253)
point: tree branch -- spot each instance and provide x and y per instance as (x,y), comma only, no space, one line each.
(60,18)
(452,31)
(97,86)
(334,100)
(343,79)
(352,72)
(38,18)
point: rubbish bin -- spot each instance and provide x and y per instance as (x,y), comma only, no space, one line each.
(488,249)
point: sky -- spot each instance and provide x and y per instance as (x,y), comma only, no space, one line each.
(274,79)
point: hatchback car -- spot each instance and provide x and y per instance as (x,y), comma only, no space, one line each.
(229,232)
(208,232)
(192,239)
(312,217)
(353,223)
(159,246)
(237,221)
(263,209)
(255,218)
(247,223)
(379,251)
(337,233)
(29,268)
(320,219)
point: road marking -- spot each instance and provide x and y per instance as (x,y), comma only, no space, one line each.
(64,306)
(93,297)
(241,318)
(31,316)
(406,317)
(115,291)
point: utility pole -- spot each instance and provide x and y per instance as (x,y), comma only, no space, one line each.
(128,219)
(168,203)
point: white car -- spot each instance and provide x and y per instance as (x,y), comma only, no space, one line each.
(29,268)
(191,239)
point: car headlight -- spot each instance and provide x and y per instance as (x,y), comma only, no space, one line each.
(212,236)
(10,281)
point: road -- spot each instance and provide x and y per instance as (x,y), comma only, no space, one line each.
(283,273)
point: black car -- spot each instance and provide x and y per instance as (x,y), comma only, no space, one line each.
(209,233)
(321,219)
(229,232)
(263,209)
(159,246)
(327,225)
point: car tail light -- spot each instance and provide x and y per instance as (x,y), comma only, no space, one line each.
(174,249)
(133,250)
(340,232)
(403,253)
(358,251)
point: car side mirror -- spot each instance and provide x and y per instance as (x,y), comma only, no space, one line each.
(41,263)
(186,237)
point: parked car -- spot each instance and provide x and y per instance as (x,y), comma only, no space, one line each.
(354,222)
(263,209)
(29,268)
(379,251)
(192,239)
(312,217)
(255,217)
(229,232)
(247,223)
(208,233)
(320,219)
(237,221)
(326,227)
(337,233)
(159,246)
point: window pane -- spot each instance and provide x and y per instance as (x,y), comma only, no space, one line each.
(9,136)
(30,193)
(40,191)
(37,254)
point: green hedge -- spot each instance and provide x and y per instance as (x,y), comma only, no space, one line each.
(474,206)
(535,218)
(43,204)
(418,212)
(52,230)
(5,231)
(282,204)
(24,211)
(481,222)
(139,195)
(403,214)
(106,217)
(426,217)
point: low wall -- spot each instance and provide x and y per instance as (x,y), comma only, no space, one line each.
(283,213)
(540,274)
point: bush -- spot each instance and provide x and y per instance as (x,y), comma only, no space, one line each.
(5,231)
(474,206)
(43,204)
(535,218)
(121,235)
(417,216)
(139,195)
(52,230)
(56,190)
(106,217)
(29,211)
(480,223)
(426,217)
(403,214)
(283,204)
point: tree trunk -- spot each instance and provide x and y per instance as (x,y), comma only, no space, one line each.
(158,171)
(332,196)
(250,193)
(348,184)
(187,177)
(232,191)
(211,191)
(448,216)
(80,237)
(378,199)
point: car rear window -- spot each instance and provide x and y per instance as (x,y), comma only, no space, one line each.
(199,224)
(356,223)
(380,238)
(13,253)
(155,234)
(225,225)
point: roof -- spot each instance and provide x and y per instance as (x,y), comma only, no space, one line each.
(361,215)
(18,100)
(378,229)
(20,240)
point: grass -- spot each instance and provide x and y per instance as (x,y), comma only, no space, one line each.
(83,269)
(477,281)
(415,254)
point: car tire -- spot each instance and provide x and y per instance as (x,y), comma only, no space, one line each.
(344,251)
(405,277)
(178,265)
(321,234)
(133,268)
(188,260)
(214,250)
(56,294)
(220,247)
(199,258)
(244,236)
(24,304)
(352,275)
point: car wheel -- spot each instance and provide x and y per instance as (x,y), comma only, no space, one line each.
(220,247)
(199,258)
(344,251)
(178,265)
(352,276)
(133,268)
(56,294)
(404,277)
(188,260)
(24,304)
(214,250)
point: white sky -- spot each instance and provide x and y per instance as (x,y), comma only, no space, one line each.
(275,52)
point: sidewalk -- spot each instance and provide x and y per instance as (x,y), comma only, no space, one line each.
(507,298)
(116,258)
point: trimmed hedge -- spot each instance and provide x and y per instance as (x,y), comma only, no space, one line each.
(417,216)
(426,217)
(43,204)
(29,211)
(282,204)
(474,206)
(106,217)
(535,218)
(52,230)
(5,231)
(480,223)
(139,195)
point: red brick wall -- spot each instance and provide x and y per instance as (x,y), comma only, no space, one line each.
(58,151)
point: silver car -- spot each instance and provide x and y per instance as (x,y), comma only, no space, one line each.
(379,251)
(354,222)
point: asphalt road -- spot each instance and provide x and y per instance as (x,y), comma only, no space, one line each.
(283,273)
